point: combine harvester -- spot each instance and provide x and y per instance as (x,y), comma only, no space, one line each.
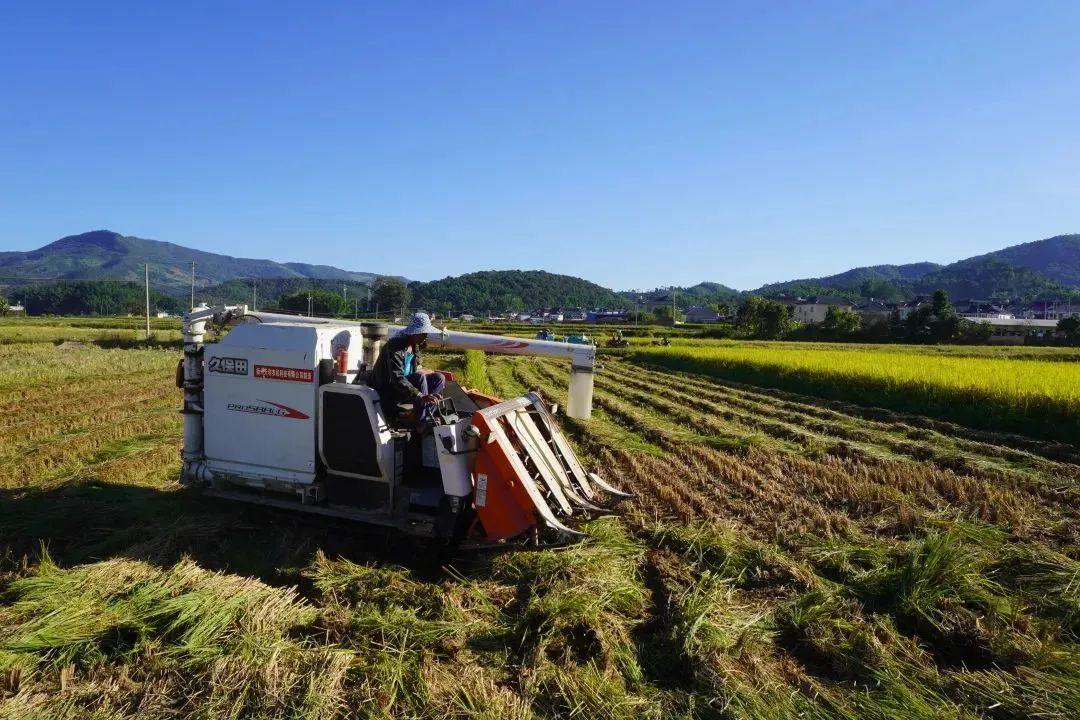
(277,414)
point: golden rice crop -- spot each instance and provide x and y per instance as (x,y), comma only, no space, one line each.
(1028,396)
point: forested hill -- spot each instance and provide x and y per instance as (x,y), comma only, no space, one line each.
(885,282)
(1056,258)
(107,255)
(706,292)
(1044,268)
(1047,268)
(501,290)
(989,276)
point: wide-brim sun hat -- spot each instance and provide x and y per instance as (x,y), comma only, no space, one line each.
(419,324)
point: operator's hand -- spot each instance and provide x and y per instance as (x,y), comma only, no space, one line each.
(429,399)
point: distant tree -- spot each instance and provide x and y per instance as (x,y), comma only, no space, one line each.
(323,302)
(841,322)
(663,314)
(917,324)
(391,294)
(4,305)
(776,320)
(974,333)
(879,329)
(747,317)
(935,323)
(764,319)
(723,309)
(1071,327)
(940,305)
(883,290)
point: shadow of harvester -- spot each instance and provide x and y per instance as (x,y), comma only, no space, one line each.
(93,520)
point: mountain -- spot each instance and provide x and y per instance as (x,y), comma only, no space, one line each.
(885,282)
(1043,268)
(107,255)
(988,276)
(500,290)
(1047,268)
(1056,258)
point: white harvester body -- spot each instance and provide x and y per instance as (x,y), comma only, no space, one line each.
(278,412)
(261,398)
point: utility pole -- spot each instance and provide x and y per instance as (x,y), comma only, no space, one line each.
(146,277)
(355,307)
(309,304)
(193,285)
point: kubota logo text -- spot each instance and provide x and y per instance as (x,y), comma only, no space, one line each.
(265,407)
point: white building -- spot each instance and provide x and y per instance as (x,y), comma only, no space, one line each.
(1012,330)
(814,309)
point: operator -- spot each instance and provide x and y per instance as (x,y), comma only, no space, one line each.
(398,376)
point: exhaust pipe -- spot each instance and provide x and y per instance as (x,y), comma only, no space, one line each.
(374,334)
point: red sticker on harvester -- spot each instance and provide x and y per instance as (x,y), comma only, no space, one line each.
(272,372)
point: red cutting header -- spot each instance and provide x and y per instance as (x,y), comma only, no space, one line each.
(271,372)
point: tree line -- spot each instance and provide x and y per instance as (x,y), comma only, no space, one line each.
(754,317)
(94,297)
(117,297)
(933,323)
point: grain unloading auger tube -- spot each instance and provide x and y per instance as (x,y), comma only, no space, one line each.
(279,413)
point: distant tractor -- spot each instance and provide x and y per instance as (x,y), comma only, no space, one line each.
(545,334)
(579,340)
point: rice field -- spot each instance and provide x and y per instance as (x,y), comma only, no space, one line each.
(785,556)
(109,331)
(1027,395)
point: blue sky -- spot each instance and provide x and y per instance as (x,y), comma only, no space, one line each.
(635,144)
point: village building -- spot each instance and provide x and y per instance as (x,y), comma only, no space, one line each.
(814,309)
(701,314)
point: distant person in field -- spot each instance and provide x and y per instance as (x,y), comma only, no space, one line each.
(398,376)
